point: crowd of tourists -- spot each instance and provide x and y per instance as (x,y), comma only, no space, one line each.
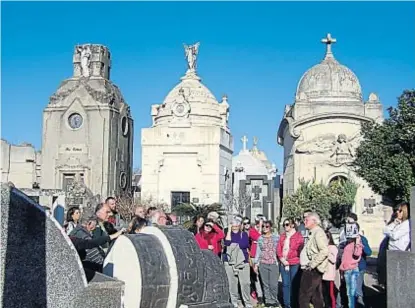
(313,268)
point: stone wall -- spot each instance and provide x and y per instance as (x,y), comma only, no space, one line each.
(20,164)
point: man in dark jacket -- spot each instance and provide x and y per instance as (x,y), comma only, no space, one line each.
(89,248)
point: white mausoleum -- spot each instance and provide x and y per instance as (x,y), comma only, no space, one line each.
(187,152)
(320,132)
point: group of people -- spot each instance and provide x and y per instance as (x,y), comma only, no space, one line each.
(312,267)
(93,235)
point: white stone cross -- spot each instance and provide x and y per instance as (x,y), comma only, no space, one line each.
(244,142)
(328,40)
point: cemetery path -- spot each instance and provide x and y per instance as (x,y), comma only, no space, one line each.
(373,297)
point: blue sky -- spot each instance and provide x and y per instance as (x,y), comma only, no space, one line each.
(253,52)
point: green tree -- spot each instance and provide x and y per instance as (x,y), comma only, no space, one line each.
(190,211)
(386,156)
(332,202)
(342,193)
(309,195)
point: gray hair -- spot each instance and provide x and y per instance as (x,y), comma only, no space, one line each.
(315,216)
(85,219)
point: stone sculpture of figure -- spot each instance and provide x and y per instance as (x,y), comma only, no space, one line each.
(320,144)
(342,150)
(191,55)
(86,53)
(340,147)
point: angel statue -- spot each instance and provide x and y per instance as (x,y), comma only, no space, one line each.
(190,53)
(340,147)
(86,53)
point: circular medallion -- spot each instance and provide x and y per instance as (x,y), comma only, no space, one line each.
(124,126)
(123,180)
(75,120)
(180,109)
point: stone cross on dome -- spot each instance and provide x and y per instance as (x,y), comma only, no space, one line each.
(328,40)
(244,142)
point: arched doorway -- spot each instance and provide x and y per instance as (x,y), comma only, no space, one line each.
(337,178)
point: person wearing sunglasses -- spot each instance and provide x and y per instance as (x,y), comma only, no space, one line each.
(210,237)
(266,264)
(398,231)
(288,251)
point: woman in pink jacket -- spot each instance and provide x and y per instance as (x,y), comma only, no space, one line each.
(349,267)
(288,251)
(330,274)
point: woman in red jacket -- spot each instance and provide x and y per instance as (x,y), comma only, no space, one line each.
(288,251)
(210,237)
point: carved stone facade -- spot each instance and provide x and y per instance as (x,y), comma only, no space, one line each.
(321,131)
(187,153)
(88,130)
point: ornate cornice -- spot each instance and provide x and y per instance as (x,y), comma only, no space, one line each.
(295,133)
(109,96)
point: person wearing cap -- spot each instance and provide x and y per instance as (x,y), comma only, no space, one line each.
(236,262)
(210,237)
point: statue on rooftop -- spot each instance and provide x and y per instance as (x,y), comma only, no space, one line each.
(191,53)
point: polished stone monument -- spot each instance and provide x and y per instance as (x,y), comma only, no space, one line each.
(163,267)
(400,272)
(39,265)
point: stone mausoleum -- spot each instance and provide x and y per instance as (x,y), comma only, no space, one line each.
(256,185)
(187,152)
(87,138)
(320,132)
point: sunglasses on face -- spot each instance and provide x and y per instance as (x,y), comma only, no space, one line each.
(267,227)
(286,224)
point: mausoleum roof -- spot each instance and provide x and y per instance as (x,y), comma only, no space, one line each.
(254,161)
(329,80)
(194,90)
(190,102)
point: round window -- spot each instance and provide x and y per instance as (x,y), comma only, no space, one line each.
(124,126)
(123,180)
(75,121)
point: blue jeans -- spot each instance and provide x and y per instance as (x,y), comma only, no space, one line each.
(289,283)
(360,283)
(350,276)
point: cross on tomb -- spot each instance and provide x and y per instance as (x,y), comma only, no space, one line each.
(257,190)
(244,142)
(328,40)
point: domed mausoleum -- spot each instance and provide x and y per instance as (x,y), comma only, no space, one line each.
(256,185)
(320,132)
(187,152)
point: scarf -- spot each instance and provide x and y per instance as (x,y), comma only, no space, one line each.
(286,247)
